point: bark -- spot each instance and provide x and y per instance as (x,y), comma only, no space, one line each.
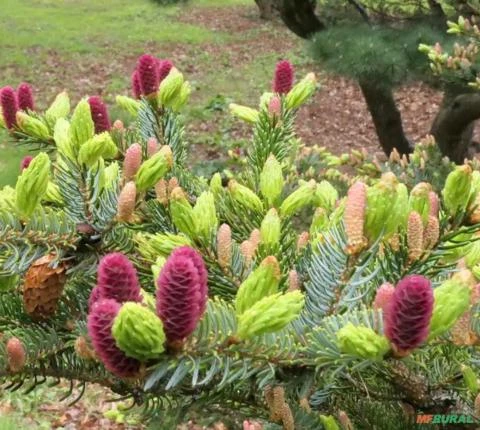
(299,16)
(453,126)
(267,8)
(386,118)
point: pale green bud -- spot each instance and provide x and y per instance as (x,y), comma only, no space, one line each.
(319,221)
(52,194)
(182,98)
(157,267)
(216,186)
(182,213)
(265,100)
(398,218)
(82,128)
(380,202)
(7,199)
(329,422)
(457,187)
(99,146)
(245,196)
(270,314)
(472,257)
(128,104)
(61,136)
(60,108)
(111,175)
(244,113)
(32,126)
(262,282)
(325,195)
(301,197)
(452,299)
(475,188)
(301,92)
(419,200)
(205,215)
(470,378)
(362,342)
(151,246)
(148,300)
(138,332)
(154,169)
(270,230)
(170,88)
(271,180)
(8,283)
(32,185)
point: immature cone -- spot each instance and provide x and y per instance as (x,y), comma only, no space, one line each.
(99,323)
(25,162)
(132,161)
(247,250)
(293,281)
(383,297)
(126,202)
(43,287)
(95,296)
(224,246)
(25,97)
(408,316)
(164,67)
(344,421)
(117,279)
(9,106)
(283,79)
(354,217)
(161,192)
(415,236)
(434,203)
(275,107)
(99,113)
(16,355)
(431,233)
(136,88)
(302,241)
(182,293)
(148,74)
(477,406)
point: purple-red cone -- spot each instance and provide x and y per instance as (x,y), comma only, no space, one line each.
(100,116)
(25,97)
(182,293)
(117,279)
(408,315)
(99,324)
(8,102)
(136,88)
(25,162)
(148,74)
(283,80)
(164,67)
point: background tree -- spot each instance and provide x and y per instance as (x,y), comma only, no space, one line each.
(376,43)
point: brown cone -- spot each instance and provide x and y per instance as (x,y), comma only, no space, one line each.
(43,287)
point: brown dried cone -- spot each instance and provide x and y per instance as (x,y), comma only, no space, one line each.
(83,349)
(16,355)
(126,202)
(43,287)
(224,246)
(415,236)
(354,217)
(431,233)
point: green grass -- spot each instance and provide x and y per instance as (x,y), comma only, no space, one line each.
(90,46)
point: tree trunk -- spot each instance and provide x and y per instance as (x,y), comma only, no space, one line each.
(386,118)
(454,124)
(266,8)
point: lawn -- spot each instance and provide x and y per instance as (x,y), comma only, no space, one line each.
(90,47)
